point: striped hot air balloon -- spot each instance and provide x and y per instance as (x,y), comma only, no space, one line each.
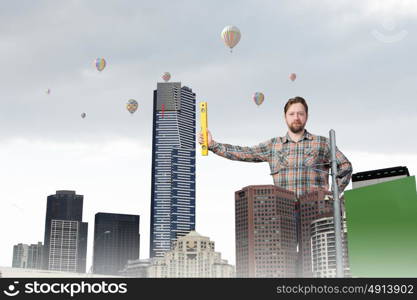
(231,36)
(132,105)
(100,64)
(166,76)
(258,97)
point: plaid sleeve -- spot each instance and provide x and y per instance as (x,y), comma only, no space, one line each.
(344,170)
(258,153)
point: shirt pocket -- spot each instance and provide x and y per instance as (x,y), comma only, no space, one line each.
(280,160)
(311,157)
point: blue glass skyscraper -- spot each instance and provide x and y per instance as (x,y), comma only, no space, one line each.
(173,166)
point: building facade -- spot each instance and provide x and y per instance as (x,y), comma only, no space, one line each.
(67,250)
(173,166)
(116,240)
(137,268)
(35,255)
(20,256)
(313,206)
(66,206)
(193,256)
(323,248)
(266,238)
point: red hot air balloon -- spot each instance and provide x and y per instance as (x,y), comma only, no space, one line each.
(166,76)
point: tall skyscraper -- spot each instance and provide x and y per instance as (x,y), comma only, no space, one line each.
(367,178)
(266,236)
(65,206)
(67,250)
(116,240)
(173,166)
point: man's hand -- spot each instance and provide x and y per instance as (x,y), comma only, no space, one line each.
(209,138)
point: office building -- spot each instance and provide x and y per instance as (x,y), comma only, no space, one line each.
(193,256)
(323,248)
(65,206)
(116,241)
(67,247)
(313,206)
(27,256)
(266,239)
(173,166)
(20,256)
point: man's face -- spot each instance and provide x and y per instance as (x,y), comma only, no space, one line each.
(296,118)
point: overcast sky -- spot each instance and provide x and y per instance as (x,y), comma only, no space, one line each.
(355,62)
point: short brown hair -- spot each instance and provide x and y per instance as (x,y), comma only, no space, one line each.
(294,100)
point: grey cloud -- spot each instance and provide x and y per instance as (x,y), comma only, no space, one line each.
(353,82)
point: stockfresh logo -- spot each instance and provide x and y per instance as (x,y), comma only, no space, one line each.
(11,290)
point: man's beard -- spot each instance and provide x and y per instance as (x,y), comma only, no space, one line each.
(296,127)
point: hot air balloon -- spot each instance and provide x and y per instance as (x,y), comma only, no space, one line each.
(83,115)
(293,76)
(166,76)
(132,105)
(231,36)
(100,64)
(47,91)
(258,97)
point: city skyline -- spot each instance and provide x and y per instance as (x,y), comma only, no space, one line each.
(359,83)
(68,204)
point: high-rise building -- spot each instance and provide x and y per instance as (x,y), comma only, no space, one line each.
(323,248)
(20,256)
(65,206)
(116,240)
(193,255)
(35,255)
(28,256)
(67,249)
(312,206)
(367,178)
(266,238)
(173,166)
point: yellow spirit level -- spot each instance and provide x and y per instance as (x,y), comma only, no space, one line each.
(203,120)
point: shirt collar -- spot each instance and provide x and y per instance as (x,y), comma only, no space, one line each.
(307,135)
